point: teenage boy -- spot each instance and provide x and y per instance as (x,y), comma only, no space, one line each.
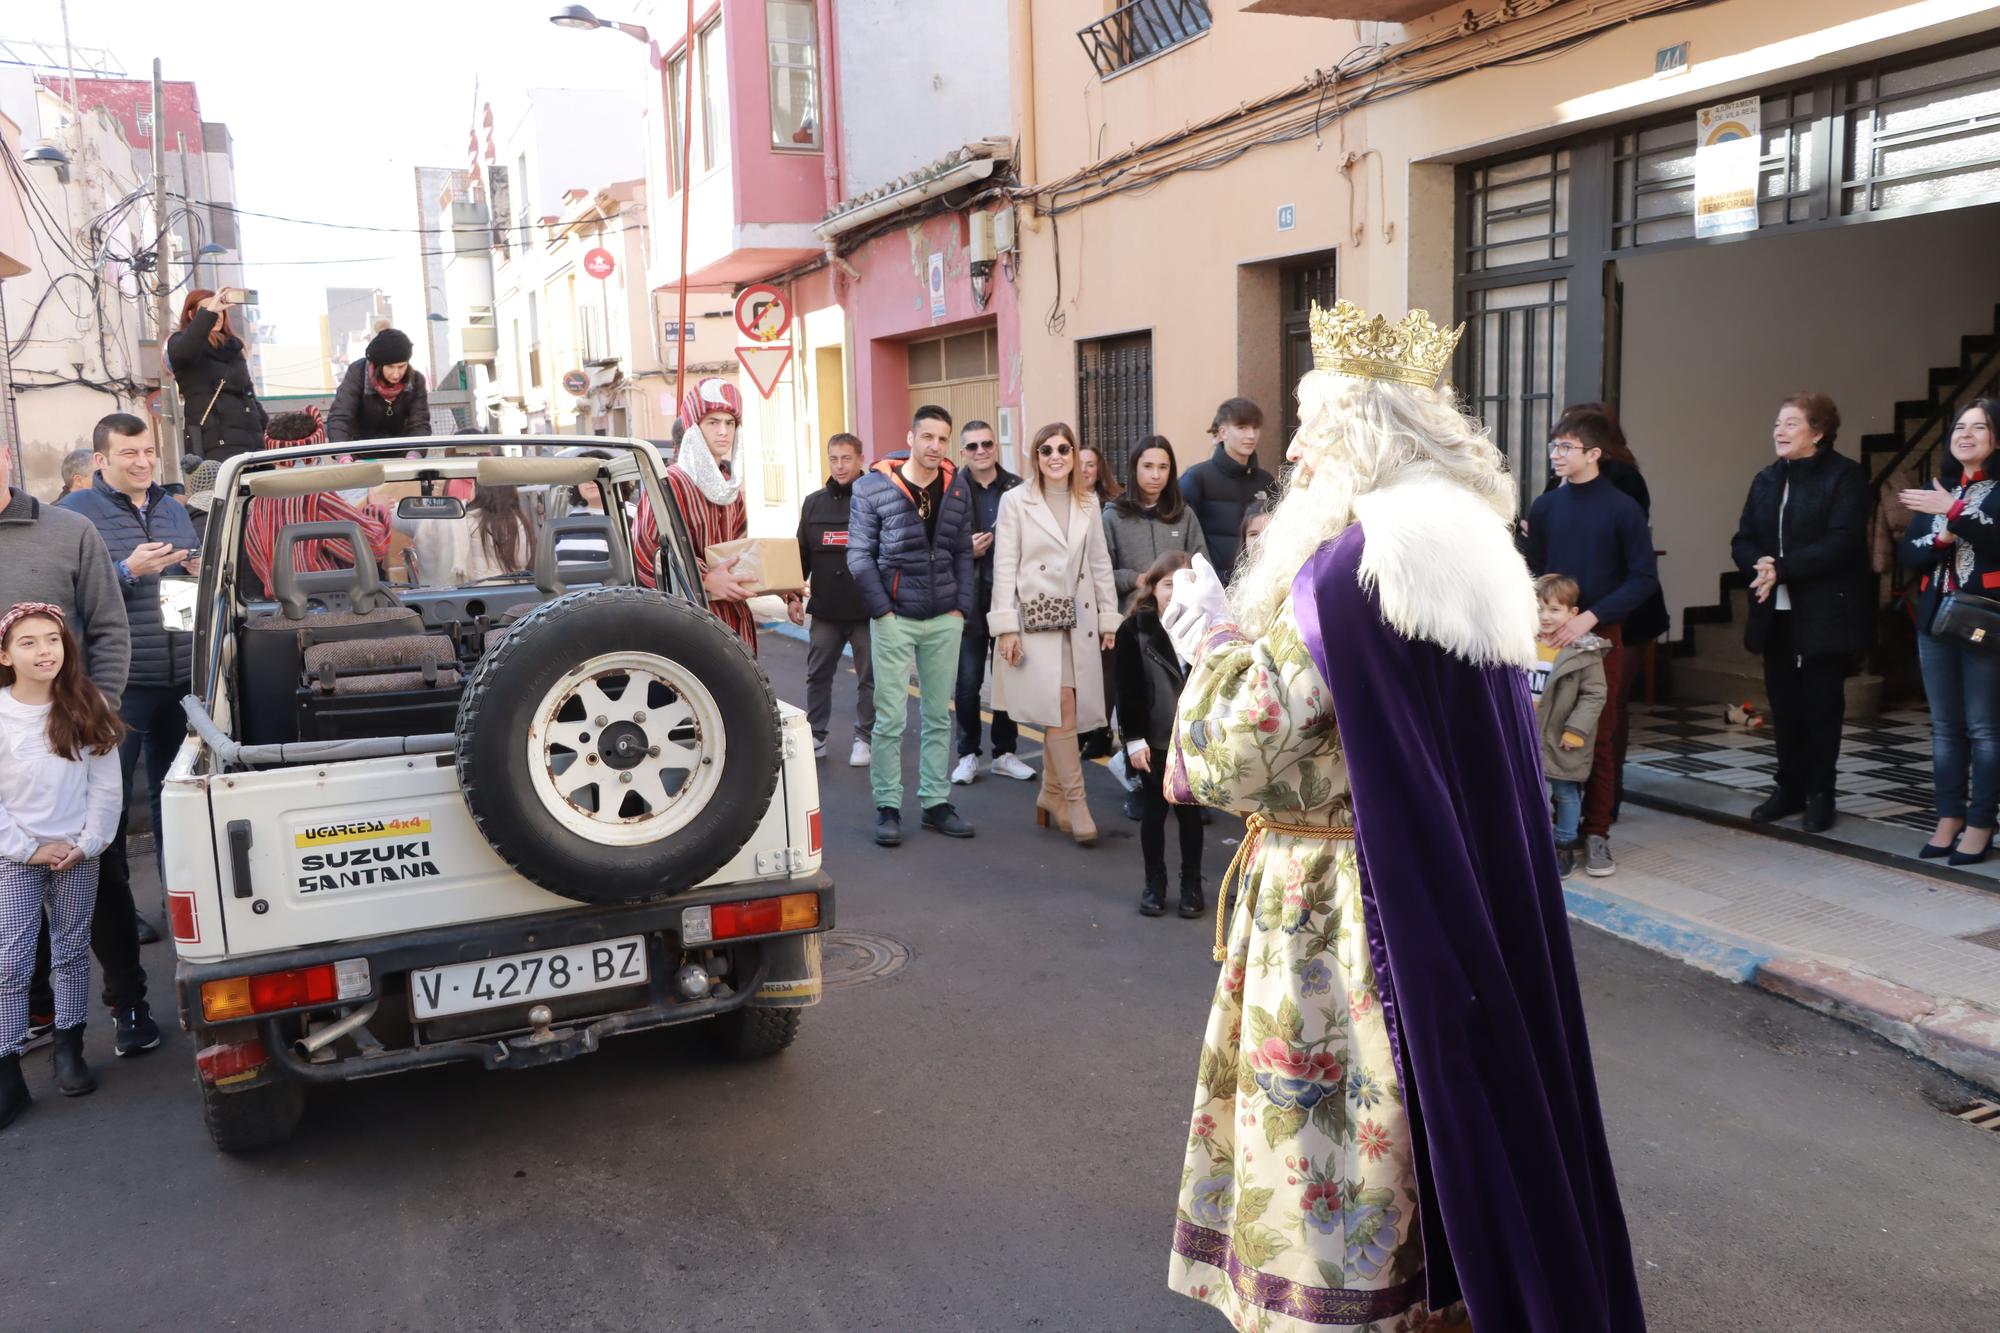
(839,616)
(988,482)
(910,546)
(1596,534)
(1219,490)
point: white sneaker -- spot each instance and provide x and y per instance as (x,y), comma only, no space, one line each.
(860,755)
(819,748)
(1010,766)
(966,769)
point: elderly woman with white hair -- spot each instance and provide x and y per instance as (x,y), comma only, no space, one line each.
(1396,1123)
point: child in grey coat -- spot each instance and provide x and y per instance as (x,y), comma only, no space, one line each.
(1569,688)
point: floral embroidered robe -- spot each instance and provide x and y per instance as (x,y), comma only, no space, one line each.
(1298,1197)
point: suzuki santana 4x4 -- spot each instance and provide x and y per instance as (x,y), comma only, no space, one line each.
(425,817)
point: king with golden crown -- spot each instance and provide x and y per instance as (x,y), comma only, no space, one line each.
(1395,1121)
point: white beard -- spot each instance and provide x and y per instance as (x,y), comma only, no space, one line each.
(696,460)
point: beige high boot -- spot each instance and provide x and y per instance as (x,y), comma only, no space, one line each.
(1051,806)
(1060,752)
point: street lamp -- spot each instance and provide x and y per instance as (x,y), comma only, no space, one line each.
(581,19)
(578,18)
(210,249)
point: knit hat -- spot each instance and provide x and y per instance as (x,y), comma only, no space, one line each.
(201,486)
(290,428)
(709,395)
(389,347)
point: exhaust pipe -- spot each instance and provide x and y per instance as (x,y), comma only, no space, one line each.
(334,1031)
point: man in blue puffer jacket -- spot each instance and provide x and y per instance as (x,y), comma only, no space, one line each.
(148,533)
(909,547)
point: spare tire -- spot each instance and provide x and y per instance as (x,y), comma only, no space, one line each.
(618,746)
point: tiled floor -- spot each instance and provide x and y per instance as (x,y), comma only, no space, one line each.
(1885,761)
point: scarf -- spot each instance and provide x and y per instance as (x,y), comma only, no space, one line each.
(716,481)
(388,392)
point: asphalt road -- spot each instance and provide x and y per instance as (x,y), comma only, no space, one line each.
(988,1138)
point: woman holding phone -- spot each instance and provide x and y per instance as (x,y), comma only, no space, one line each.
(219,409)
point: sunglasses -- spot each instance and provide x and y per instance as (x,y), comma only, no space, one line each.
(974,446)
(1052,450)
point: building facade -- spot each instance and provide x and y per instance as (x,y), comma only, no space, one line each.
(1529,168)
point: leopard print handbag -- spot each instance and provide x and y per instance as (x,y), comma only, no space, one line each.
(1047,613)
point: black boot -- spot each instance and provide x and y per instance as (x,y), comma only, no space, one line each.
(1153,901)
(73,1076)
(1192,905)
(14,1097)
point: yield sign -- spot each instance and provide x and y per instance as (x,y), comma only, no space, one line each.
(765,364)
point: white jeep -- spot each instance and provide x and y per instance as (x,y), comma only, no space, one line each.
(425,818)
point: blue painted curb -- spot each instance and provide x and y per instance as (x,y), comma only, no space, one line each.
(784,627)
(1696,945)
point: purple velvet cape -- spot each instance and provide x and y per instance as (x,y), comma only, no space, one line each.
(1470,940)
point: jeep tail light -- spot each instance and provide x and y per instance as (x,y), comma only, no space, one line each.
(296,988)
(759,916)
(230,1062)
(812,833)
(181,918)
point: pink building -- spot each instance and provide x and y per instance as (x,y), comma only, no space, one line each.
(869,217)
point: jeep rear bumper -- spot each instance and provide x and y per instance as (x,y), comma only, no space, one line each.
(777,970)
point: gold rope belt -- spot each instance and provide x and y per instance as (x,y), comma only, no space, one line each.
(1257,826)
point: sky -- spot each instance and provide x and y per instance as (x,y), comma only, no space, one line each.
(332,106)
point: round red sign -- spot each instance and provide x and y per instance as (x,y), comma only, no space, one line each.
(576,382)
(762,313)
(598,263)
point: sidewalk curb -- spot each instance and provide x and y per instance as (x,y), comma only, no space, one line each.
(1954,1034)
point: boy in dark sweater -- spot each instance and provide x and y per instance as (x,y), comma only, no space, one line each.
(1593,532)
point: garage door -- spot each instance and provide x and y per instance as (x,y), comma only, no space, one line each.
(960,373)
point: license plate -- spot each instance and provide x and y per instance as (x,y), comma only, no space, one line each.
(463,988)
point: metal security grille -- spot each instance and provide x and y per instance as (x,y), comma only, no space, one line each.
(1142,28)
(1516,341)
(1653,171)
(1114,394)
(1305,284)
(1923,134)
(1516,212)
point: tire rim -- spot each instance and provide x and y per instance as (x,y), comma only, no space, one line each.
(626,749)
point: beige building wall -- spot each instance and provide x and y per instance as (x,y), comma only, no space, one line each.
(1183,258)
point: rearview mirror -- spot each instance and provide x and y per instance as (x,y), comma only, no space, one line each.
(430,506)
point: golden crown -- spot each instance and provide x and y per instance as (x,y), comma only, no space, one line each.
(1345,340)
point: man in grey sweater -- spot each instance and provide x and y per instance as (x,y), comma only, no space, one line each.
(52,555)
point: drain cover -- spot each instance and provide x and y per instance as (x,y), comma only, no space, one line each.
(1981,1115)
(855,957)
(1989,939)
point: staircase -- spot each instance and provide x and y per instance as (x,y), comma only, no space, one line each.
(1711,664)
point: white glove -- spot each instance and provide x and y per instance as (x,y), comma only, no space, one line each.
(1199,601)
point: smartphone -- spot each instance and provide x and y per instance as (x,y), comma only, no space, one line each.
(238,295)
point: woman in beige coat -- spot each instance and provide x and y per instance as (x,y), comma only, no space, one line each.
(1050,563)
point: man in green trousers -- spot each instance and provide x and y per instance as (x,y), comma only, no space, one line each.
(909,545)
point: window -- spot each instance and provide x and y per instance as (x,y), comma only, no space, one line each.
(521,199)
(714,98)
(960,373)
(1514,359)
(497,188)
(1114,395)
(1302,284)
(792,33)
(1142,28)
(534,342)
(676,108)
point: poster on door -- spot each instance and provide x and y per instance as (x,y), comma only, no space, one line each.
(1729,144)
(937,286)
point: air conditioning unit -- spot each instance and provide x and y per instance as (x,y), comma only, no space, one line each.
(480,341)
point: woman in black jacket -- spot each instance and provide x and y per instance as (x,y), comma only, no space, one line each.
(382,397)
(1955,539)
(219,406)
(1803,544)
(1150,676)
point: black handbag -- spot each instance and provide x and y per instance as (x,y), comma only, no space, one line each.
(1969,619)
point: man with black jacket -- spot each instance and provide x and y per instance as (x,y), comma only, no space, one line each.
(839,616)
(1219,490)
(987,481)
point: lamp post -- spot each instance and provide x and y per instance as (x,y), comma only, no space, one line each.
(581,19)
(210,249)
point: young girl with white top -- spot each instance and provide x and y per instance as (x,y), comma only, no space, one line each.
(60,792)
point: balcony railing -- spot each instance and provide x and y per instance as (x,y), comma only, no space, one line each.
(1143,28)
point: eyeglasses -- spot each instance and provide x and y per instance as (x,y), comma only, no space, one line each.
(1052,450)
(1564,447)
(974,446)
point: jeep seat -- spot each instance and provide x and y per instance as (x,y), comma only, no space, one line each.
(553,579)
